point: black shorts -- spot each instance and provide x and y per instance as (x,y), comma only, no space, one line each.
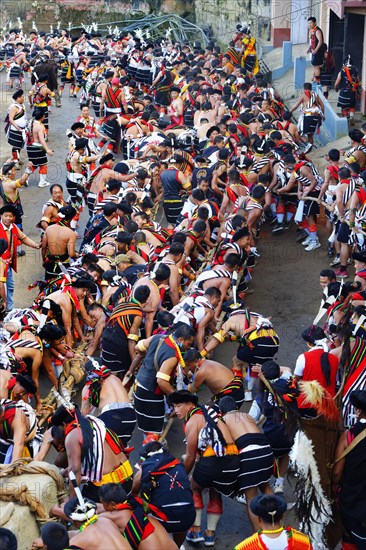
(221,473)
(343,233)
(318,58)
(260,350)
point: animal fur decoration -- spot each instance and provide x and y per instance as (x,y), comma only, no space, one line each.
(312,506)
(319,398)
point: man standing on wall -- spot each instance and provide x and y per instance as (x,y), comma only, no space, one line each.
(316,47)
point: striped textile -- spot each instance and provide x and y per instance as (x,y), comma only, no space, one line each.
(95,471)
(121,421)
(150,410)
(15,138)
(36,155)
(256,460)
(221,473)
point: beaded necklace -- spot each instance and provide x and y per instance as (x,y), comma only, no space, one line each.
(93,519)
(178,352)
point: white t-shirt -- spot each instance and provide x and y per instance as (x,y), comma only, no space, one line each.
(279,543)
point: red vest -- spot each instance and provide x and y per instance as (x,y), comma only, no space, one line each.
(11,252)
(313,371)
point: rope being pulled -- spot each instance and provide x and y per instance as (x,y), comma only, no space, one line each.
(21,494)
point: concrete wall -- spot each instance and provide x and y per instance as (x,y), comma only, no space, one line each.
(221,16)
(46,12)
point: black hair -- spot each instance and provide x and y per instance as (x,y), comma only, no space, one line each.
(269,508)
(308,86)
(240,233)
(176,248)
(179,237)
(54,535)
(199,226)
(142,293)
(202,213)
(151,447)
(113,492)
(185,332)
(51,332)
(192,354)
(8,540)
(124,237)
(198,194)
(227,404)
(271,370)
(162,273)
(329,273)
(334,154)
(232,260)
(213,291)
(355,135)
(131,226)
(237,221)
(56,185)
(258,192)
(165,319)
(140,237)
(344,173)
(109,208)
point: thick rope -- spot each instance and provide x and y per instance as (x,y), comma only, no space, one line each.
(22,494)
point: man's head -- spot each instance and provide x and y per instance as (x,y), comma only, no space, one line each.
(327,276)
(107,160)
(142,294)
(176,250)
(54,536)
(95,311)
(192,358)
(214,295)
(56,191)
(8,214)
(84,108)
(242,237)
(78,129)
(360,259)
(161,275)
(355,135)
(18,96)
(268,508)
(232,261)
(358,400)
(67,213)
(183,401)
(141,218)
(184,336)
(23,387)
(311,22)
(80,144)
(227,404)
(110,210)
(199,227)
(344,173)
(82,286)
(110,495)
(123,241)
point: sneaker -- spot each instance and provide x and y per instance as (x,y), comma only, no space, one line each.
(209,540)
(248,396)
(303,235)
(336,261)
(278,228)
(341,274)
(195,536)
(287,225)
(278,487)
(20,253)
(241,498)
(313,245)
(307,241)
(330,251)
(308,148)
(44,183)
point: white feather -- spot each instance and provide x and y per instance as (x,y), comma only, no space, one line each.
(303,460)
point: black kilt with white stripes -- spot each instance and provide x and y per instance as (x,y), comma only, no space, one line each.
(15,72)
(36,155)
(121,421)
(15,138)
(150,410)
(256,460)
(219,472)
(346,99)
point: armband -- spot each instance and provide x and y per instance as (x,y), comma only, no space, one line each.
(2,279)
(140,346)
(45,219)
(134,337)
(219,336)
(180,271)
(52,94)
(18,184)
(204,352)
(163,376)
(186,185)
(83,159)
(61,357)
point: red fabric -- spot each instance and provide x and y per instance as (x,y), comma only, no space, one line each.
(10,254)
(313,371)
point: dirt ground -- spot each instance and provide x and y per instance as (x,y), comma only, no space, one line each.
(285,283)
